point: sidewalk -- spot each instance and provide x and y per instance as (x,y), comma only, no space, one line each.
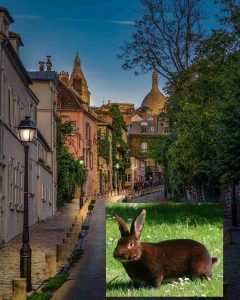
(87,278)
(155,196)
(115,197)
(43,238)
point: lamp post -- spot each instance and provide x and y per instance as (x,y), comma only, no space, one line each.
(117,166)
(81,161)
(27,130)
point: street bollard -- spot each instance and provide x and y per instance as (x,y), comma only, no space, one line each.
(19,289)
(65,247)
(59,254)
(51,264)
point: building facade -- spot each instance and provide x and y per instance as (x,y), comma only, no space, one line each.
(105,165)
(44,85)
(16,101)
(73,105)
(104,113)
(147,123)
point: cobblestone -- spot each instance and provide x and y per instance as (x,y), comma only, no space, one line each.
(87,278)
(43,239)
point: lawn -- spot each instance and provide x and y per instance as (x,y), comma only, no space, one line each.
(201,222)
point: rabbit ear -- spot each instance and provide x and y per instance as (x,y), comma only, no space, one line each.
(122,226)
(138,223)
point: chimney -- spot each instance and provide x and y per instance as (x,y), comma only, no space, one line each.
(64,77)
(15,41)
(5,21)
(49,63)
(41,65)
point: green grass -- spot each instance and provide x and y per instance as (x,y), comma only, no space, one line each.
(201,222)
(51,285)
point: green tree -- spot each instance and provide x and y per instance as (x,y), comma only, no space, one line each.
(119,146)
(165,37)
(70,172)
(104,147)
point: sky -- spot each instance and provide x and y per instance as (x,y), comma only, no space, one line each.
(96,29)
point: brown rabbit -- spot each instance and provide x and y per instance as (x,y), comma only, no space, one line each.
(150,263)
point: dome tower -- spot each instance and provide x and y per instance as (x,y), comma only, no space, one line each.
(155,100)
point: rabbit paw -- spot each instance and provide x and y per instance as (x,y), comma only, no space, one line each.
(156,282)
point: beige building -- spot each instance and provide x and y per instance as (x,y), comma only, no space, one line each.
(148,122)
(16,101)
(44,85)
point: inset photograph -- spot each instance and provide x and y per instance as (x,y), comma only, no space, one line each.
(164,250)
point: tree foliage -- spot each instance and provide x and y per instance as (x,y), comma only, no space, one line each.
(104,147)
(203,148)
(165,38)
(70,172)
(119,146)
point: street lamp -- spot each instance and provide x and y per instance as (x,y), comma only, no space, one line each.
(117,166)
(27,130)
(81,162)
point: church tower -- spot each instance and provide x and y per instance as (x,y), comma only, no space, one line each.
(78,81)
(155,100)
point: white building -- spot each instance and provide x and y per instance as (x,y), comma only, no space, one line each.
(17,100)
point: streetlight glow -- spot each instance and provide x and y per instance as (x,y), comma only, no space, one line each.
(27,130)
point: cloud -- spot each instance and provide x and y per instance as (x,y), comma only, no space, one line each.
(119,22)
(70,19)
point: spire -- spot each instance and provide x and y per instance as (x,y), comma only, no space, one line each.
(154,79)
(77,61)
(78,81)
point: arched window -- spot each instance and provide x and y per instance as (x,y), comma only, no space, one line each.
(144,147)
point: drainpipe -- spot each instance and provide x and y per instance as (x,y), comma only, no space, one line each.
(3,223)
(1,72)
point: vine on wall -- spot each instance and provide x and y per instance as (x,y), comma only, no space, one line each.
(70,172)
(118,144)
(104,147)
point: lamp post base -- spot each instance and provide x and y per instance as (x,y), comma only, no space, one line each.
(25,264)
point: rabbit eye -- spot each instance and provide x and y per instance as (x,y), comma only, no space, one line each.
(131,244)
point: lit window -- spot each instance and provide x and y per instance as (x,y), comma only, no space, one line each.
(144,147)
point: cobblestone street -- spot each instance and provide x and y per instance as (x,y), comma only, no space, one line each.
(87,278)
(43,238)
